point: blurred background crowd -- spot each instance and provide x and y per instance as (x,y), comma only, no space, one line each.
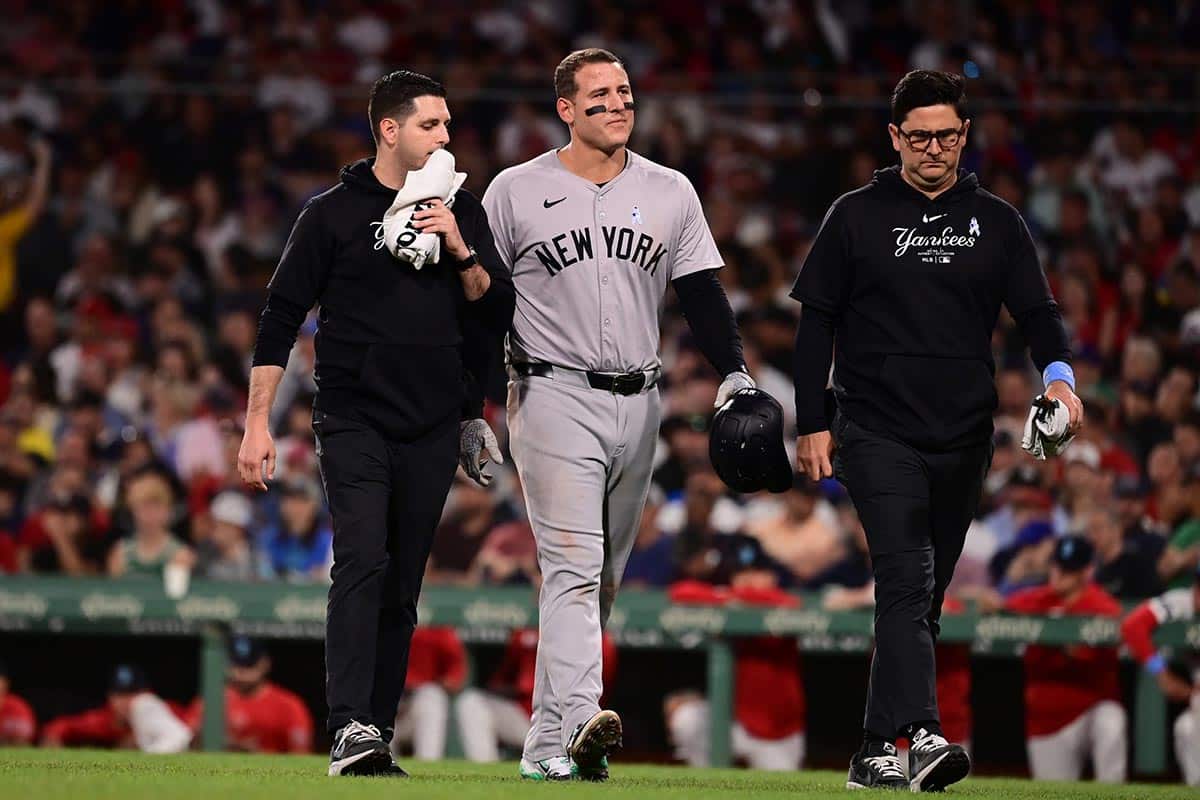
(153,157)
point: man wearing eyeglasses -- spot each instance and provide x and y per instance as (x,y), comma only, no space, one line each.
(907,275)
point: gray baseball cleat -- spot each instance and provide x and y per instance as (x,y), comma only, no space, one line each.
(592,741)
(557,768)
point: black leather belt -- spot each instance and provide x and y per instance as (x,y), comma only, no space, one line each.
(626,384)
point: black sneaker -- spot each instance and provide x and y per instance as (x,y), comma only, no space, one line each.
(359,750)
(592,741)
(392,770)
(934,763)
(877,768)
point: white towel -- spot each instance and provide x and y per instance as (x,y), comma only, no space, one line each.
(436,179)
(1046,428)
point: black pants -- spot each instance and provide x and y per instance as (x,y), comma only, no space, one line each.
(386,498)
(915,507)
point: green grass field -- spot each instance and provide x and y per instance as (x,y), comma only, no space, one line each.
(96,775)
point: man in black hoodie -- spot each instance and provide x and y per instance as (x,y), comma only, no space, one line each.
(402,358)
(907,276)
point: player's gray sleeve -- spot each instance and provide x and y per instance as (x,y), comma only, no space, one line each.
(498,205)
(696,249)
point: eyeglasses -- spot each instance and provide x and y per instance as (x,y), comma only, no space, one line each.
(919,140)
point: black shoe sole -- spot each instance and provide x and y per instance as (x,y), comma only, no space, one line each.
(953,767)
(600,736)
(594,776)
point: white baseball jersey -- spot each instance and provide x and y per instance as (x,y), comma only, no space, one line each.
(591,263)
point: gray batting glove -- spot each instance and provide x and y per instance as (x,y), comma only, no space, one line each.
(476,444)
(733,382)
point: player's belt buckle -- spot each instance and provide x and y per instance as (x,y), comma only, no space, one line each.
(630,383)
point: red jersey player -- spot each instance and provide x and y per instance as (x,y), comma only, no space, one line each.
(1072,697)
(1138,632)
(437,668)
(134,717)
(260,716)
(17,723)
(768,693)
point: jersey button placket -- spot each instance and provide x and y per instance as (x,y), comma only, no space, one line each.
(606,344)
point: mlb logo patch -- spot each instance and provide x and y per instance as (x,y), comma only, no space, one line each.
(636,216)
(973,228)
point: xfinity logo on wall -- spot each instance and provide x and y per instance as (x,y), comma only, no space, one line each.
(933,251)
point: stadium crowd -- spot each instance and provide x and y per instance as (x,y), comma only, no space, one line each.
(154,156)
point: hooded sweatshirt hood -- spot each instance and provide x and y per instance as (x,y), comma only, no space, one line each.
(360,177)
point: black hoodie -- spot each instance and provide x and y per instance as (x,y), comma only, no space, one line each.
(396,347)
(911,289)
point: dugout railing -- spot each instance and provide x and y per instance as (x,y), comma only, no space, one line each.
(646,619)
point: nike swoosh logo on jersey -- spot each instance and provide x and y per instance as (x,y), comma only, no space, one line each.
(547,204)
(925,218)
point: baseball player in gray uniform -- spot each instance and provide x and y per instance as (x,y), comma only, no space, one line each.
(592,233)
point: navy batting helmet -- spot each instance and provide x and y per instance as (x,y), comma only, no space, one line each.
(745,443)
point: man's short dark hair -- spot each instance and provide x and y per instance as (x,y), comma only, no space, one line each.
(926,87)
(564,73)
(395,94)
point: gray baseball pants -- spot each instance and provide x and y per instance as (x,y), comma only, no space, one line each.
(585,459)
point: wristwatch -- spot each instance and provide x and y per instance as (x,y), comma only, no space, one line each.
(471,260)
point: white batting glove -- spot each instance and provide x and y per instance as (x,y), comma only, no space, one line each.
(1047,429)
(476,444)
(733,382)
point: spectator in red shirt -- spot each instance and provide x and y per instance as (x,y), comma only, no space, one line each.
(260,716)
(437,668)
(1138,633)
(11,488)
(133,718)
(17,723)
(63,538)
(1072,697)
(500,714)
